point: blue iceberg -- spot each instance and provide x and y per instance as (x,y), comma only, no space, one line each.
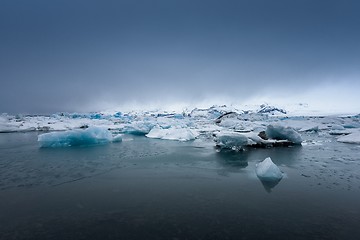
(77,137)
(138,128)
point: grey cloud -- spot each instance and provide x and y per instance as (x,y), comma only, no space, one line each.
(70,55)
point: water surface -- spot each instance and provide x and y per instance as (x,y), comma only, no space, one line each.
(156,189)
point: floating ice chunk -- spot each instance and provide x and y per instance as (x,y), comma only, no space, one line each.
(351,125)
(77,137)
(310,128)
(267,171)
(138,128)
(283,133)
(341,132)
(240,141)
(351,138)
(117,138)
(232,140)
(337,127)
(172,133)
(7,127)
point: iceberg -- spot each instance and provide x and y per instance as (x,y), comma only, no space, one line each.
(239,141)
(138,128)
(267,171)
(172,133)
(117,138)
(267,109)
(283,133)
(351,138)
(232,140)
(77,137)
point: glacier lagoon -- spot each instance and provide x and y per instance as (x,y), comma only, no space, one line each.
(143,188)
(194,174)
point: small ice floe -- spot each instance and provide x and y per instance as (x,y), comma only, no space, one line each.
(172,133)
(77,137)
(232,140)
(283,133)
(267,171)
(309,128)
(351,138)
(341,132)
(117,138)
(311,143)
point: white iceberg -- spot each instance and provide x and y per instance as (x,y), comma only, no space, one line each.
(232,140)
(239,141)
(117,138)
(77,137)
(172,133)
(351,138)
(267,171)
(283,133)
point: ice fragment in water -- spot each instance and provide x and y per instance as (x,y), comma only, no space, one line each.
(231,140)
(351,138)
(77,137)
(172,133)
(283,133)
(268,171)
(138,128)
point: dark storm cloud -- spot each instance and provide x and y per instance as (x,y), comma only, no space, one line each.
(71,55)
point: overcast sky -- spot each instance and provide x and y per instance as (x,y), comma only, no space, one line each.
(58,55)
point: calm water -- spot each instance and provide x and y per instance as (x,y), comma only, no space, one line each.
(156,189)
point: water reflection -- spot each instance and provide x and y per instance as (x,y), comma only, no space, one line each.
(269,185)
(232,160)
(236,160)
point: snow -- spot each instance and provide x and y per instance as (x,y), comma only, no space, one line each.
(267,171)
(283,133)
(351,138)
(77,137)
(172,133)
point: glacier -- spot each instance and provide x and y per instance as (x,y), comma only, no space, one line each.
(77,137)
